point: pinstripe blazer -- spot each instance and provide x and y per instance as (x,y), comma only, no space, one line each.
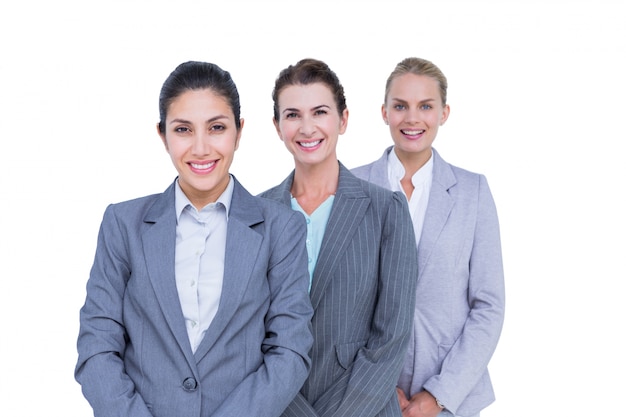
(460,288)
(363,293)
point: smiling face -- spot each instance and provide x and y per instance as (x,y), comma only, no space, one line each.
(201,138)
(414,111)
(310,124)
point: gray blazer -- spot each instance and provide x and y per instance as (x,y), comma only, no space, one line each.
(134,354)
(363,293)
(460,288)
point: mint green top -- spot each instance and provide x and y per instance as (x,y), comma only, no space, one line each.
(315,228)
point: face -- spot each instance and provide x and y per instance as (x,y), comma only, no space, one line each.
(310,123)
(201,138)
(414,111)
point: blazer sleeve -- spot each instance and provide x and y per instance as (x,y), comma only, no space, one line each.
(102,336)
(467,360)
(286,364)
(375,371)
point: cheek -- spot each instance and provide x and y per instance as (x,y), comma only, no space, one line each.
(286,131)
(394,119)
(175,149)
(231,148)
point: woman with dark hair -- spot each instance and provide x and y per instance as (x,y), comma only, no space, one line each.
(361,254)
(197,301)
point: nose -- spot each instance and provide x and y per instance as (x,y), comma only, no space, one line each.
(413,116)
(200,145)
(307,126)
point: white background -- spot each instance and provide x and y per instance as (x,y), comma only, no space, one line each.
(537,95)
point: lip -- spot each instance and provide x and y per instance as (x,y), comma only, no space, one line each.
(412,134)
(202,167)
(310,145)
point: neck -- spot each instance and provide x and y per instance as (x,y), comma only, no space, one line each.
(202,199)
(413,161)
(312,185)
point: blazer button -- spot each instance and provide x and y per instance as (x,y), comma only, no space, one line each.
(190,384)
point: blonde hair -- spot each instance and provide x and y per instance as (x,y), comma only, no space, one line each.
(419,66)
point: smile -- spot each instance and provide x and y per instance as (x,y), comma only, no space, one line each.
(203,166)
(412,132)
(310,144)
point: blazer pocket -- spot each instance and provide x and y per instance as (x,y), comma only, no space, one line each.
(346,353)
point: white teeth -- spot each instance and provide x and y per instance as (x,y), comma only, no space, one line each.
(309,144)
(203,166)
(412,132)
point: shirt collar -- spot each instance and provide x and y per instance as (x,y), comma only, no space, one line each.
(396,170)
(181,201)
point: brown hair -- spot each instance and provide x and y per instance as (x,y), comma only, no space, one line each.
(309,71)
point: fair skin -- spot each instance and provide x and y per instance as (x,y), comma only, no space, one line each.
(201,138)
(414,110)
(422,404)
(309,126)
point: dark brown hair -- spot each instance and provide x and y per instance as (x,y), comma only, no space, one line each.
(309,71)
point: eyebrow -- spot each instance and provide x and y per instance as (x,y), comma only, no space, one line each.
(212,119)
(404,101)
(289,110)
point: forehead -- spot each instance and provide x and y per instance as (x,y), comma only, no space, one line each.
(199,101)
(414,85)
(306,95)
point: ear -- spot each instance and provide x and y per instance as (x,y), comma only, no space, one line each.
(239,134)
(343,123)
(383,112)
(277,127)
(444,115)
(162,136)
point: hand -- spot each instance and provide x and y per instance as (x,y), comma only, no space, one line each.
(422,404)
(402,399)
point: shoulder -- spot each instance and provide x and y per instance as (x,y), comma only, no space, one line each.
(446,172)
(375,171)
(273,193)
(280,192)
(464,185)
(271,211)
(376,192)
(136,207)
(135,203)
(128,218)
(280,222)
(380,198)
(150,208)
(271,206)
(363,171)
(463,173)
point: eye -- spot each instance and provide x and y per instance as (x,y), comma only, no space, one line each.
(291,115)
(426,107)
(217,127)
(181,129)
(399,106)
(319,112)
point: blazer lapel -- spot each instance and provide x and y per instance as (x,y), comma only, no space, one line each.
(347,213)
(440,204)
(159,243)
(242,243)
(440,201)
